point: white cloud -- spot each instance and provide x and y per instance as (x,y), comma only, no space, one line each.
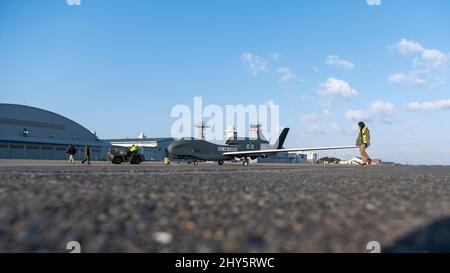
(383,108)
(435,58)
(310,117)
(336,87)
(327,106)
(438,82)
(428,65)
(339,63)
(358,115)
(408,47)
(434,105)
(73,2)
(338,129)
(411,78)
(431,57)
(316,129)
(374,2)
(255,63)
(286,76)
(378,110)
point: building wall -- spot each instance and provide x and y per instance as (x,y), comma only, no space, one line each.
(153,153)
(23,150)
(4,150)
(156,153)
(32,133)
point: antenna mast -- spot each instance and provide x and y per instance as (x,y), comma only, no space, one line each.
(202,126)
(256,128)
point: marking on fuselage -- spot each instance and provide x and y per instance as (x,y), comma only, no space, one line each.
(227,149)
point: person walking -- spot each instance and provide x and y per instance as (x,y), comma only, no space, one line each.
(363,142)
(87,155)
(71,151)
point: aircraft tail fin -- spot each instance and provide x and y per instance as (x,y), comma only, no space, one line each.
(280,141)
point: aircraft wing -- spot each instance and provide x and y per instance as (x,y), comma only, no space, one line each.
(274,151)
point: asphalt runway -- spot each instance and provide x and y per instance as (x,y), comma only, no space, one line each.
(230,208)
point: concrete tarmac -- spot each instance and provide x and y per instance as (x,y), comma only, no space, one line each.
(230,208)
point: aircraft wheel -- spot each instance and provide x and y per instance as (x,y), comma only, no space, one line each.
(195,163)
(246,162)
(220,162)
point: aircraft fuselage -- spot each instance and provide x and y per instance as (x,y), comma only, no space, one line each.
(200,150)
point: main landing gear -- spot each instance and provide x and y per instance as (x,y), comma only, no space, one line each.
(246,162)
(220,162)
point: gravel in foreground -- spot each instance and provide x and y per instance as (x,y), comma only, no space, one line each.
(230,208)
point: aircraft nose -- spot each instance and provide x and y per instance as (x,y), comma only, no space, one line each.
(172,148)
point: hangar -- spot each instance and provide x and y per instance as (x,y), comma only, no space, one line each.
(32,133)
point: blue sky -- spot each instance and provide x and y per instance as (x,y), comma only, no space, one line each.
(326,63)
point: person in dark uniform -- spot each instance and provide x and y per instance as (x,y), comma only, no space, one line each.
(71,151)
(87,155)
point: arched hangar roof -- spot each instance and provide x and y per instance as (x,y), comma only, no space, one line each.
(22,123)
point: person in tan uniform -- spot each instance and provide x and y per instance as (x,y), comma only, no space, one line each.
(363,142)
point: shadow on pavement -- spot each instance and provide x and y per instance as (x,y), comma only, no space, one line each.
(433,238)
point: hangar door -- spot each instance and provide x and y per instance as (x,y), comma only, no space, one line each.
(4,151)
(60,153)
(17,151)
(32,152)
(47,152)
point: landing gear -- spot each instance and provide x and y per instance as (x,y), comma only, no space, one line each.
(220,162)
(246,162)
(195,163)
